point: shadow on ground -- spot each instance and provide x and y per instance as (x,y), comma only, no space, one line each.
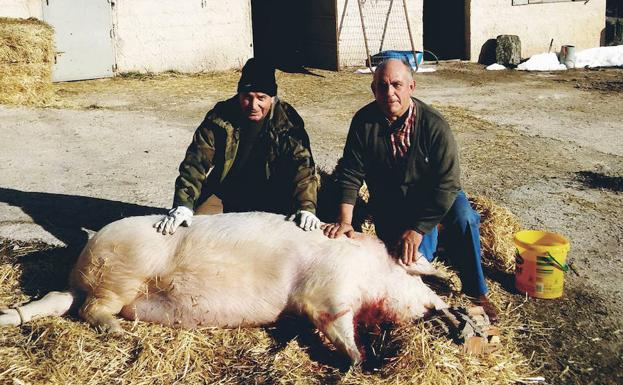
(66,217)
(597,180)
(375,340)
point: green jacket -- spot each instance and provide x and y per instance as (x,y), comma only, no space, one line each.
(414,193)
(289,169)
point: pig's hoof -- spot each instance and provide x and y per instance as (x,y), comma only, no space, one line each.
(10,317)
(355,358)
(109,328)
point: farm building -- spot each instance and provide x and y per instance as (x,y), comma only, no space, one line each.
(99,38)
(331,33)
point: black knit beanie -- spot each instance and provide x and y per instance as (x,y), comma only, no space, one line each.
(258,76)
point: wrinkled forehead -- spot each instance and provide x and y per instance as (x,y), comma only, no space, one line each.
(254,94)
(392,71)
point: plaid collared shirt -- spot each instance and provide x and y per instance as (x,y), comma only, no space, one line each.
(401,136)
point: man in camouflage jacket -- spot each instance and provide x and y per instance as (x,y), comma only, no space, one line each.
(252,151)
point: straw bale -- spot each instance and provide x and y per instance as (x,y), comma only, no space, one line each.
(25,41)
(26,84)
(26,53)
(497,226)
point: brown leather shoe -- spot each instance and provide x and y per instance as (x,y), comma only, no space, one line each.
(488,307)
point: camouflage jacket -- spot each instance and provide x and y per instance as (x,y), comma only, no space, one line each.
(290,167)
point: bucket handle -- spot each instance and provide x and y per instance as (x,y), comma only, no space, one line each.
(552,261)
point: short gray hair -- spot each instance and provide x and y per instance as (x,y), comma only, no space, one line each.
(381,66)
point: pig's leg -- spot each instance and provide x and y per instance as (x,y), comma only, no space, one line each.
(421,266)
(338,327)
(436,301)
(54,303)
(103,304)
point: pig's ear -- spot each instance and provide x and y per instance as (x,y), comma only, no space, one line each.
(420,267)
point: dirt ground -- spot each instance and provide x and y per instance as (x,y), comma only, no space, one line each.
(549,146)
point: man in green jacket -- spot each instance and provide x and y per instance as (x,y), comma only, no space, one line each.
(252,151)
(407,155)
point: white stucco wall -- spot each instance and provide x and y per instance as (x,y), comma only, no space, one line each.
(182,35)
(351,47)
(20,8)
(576,23)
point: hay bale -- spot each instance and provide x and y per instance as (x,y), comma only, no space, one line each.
(26,54)
(26,84)
(25,41)
(497,226)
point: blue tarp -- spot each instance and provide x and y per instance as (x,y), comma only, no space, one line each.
(404,55)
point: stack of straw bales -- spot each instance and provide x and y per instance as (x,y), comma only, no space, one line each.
(26,54)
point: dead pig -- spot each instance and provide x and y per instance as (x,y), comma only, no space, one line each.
(238,269)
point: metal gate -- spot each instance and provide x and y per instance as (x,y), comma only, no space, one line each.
(83,38)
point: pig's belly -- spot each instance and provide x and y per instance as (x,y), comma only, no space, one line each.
(199,311)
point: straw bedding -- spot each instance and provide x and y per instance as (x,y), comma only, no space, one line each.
(497,226)
(26,55)
(66,350)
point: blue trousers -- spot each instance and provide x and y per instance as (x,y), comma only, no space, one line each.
(461,226)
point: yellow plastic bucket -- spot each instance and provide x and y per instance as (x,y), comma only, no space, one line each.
(540,263)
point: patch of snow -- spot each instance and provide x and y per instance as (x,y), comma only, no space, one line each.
(542,62)
(600,57)
(495,67)
(425,69)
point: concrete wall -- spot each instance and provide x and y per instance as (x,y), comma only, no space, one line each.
(20,8)
(577,23)
(351,47)
(186,36)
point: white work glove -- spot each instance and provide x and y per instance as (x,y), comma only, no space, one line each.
(305,220)
(180,215)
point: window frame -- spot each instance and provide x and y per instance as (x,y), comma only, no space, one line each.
(530,2)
